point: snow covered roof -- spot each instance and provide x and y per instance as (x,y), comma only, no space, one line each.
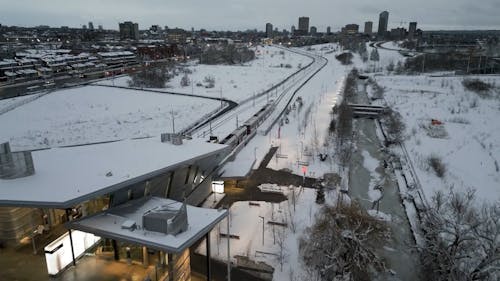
(110,224)
(68,175)
(115,54)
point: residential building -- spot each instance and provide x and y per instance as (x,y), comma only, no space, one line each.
(382,24)
(398,33)
(350,29)
(269,30)
(368,27)
(303,25)
(313,31)
(91,26)
(328,30)
(129,30)
(412,30)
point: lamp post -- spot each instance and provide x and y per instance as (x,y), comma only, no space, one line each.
(262,229)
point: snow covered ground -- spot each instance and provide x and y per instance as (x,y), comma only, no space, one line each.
(306,133)
(236,82)
(95,114)
(471,148)
(386,57)
(280,243)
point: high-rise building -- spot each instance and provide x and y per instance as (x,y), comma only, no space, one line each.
(91,26)
(328,30)
(129,30)
(292,29)
(269,30)
(412,30)
(304,25)
(313,30)
(382,23)
(368,27)
(99,27)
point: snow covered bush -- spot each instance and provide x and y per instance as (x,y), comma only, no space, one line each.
(461,242)
(395,126)
(437,165)
(345,58)
(210,81)
(155,77)
(342,244)
(185,80)
(476,85)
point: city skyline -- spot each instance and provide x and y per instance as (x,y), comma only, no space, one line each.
(245,14)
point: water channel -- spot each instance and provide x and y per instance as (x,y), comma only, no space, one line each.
(367,170)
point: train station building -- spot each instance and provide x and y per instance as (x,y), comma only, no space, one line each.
(135,200)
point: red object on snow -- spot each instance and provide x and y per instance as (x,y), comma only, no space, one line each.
(436,122)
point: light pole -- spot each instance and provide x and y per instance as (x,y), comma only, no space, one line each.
(262,229)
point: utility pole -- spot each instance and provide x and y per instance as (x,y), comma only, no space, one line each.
(221,103)
(173,121)
(423,64)
(228,252)
(468,64)
(479,66)
(262,229)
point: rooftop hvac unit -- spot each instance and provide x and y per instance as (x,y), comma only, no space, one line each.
(175,139)
(15,165)
(166,219)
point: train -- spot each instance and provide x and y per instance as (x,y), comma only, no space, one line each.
(249,127)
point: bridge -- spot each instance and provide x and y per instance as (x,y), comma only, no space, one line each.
(366,110)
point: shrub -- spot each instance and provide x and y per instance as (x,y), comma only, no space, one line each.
(185,80)
(476,85)
(437,165)
(345,58)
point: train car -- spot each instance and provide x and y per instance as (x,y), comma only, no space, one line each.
(238,135)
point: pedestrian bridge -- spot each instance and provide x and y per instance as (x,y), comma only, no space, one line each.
(366,110)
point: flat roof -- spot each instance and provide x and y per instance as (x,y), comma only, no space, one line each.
(108,224)
(69,175)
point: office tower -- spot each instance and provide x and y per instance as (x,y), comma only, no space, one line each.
(382,23)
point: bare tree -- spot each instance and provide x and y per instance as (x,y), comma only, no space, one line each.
(461,241)
(185,80)
(282,252)
(374,56)
(155,77)
(395,126)
(344,124)
(341,243)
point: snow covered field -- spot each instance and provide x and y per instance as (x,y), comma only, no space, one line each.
(281,242)
(236,82)
(95,114)
(470,145)
(306,133)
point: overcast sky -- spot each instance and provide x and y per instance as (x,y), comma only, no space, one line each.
(250,14)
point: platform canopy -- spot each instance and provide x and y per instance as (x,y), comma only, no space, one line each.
(125,223)
(67,176)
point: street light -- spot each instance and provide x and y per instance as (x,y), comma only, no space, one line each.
(262,229)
